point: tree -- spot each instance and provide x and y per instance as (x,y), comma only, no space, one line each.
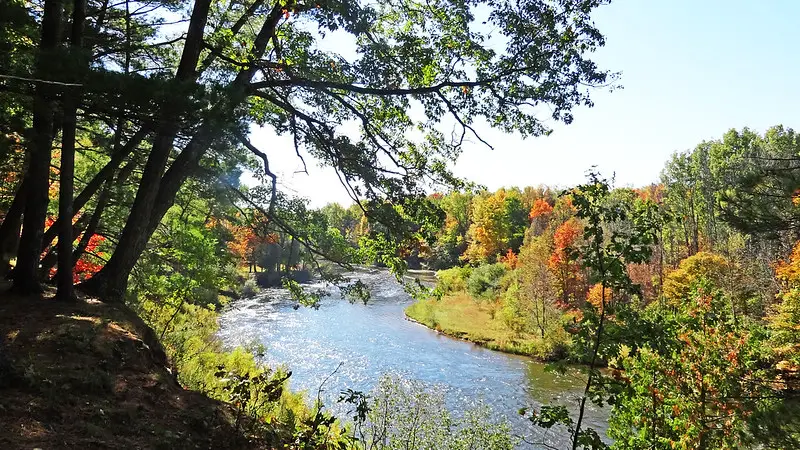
(451,241)
(343,220)
(721,273)
(786,320)
(36,179)
(537,283)
(498,224)
(761,192)
(67,169)
(184,104)
(615,234)
(700,389)
(565,268)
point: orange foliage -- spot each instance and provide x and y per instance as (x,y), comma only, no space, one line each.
(654,192)
(566,271)
(789,271)
(540,208)
(510,259)
(567,202)
(243,241)
(565,236)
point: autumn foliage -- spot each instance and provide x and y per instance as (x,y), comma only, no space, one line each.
(565,269)
(510,259)
(595,295)
(540,208)
(785,322)
(564,238)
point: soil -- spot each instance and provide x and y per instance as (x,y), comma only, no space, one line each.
(80,375)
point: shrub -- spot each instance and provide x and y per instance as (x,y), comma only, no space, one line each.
(188,335)
(485,281)
(515,314)
(250,288)
(453,280)
(406,414)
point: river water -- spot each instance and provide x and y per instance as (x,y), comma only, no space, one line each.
(374,339)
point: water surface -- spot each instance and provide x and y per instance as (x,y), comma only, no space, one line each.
(373,339)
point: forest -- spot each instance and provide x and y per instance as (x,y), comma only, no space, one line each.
(125,137)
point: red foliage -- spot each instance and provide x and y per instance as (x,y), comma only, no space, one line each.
(84,267)
(84,270)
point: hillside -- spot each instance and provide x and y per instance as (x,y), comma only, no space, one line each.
(79,375)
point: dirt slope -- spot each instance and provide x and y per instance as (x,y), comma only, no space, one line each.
(79,375)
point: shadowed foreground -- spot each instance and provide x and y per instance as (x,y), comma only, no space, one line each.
(79,375)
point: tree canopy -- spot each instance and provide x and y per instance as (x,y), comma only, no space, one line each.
(162,92)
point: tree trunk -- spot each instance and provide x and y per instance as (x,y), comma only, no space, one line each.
(9,229)
(26,274)
(111,282)
(67,174)
(50,259)
(97,181)
(544,317)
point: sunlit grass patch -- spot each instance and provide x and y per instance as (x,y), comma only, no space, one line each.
(461,316)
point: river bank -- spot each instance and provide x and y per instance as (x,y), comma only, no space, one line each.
(459,316)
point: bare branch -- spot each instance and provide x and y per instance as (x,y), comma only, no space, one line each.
(243,139)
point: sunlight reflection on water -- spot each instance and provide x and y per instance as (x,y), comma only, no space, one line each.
(374,339)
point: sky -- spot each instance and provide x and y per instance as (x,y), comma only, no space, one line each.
(690,71)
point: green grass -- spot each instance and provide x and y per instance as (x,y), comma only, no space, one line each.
(460,316)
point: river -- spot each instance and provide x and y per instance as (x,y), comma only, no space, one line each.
(373,339)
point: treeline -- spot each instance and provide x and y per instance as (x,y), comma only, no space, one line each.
(686,290)
(124,130)
(735,196)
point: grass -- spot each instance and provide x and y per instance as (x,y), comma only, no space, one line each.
(460,316)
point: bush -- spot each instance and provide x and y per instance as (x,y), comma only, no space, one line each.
(452,280)
(250,288)
(486,281)
(515,314)
(188,335)
(406,414)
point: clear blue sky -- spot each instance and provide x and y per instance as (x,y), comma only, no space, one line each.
(691,70)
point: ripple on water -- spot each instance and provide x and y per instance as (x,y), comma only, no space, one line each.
(375,339)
